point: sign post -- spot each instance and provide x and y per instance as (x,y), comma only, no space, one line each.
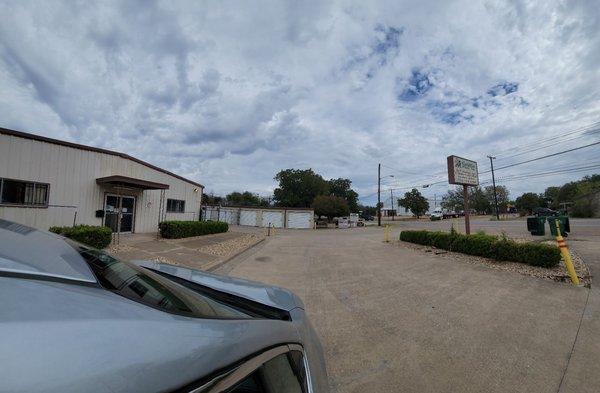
(463,172)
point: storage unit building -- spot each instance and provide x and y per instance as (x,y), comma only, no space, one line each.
(278,217)
(47,182)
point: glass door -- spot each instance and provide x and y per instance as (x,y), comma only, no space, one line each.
(123,205)
(127,207)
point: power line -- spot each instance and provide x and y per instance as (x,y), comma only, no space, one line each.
(399,170)
(542,157)
(554,140)
(545,146)
(582,130)
(541,174)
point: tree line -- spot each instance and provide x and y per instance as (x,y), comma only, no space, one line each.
(336,198)
(579,198)
(300,188)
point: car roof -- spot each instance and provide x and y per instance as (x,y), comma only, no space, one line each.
(29,251)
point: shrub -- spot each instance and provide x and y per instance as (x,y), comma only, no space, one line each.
(488,246)
(93,236)
(441,240)
(180,229)
(480,244)
(419,237)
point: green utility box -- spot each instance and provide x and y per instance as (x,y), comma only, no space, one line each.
(536,225)
(563,221)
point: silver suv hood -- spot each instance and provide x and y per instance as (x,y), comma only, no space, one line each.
(269,295)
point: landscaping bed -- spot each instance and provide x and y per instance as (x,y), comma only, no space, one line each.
(555,272)
(488,246)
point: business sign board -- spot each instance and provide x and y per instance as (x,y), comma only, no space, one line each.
(462,171)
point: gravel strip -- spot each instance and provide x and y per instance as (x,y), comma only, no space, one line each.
(114,248)
(558,273)
(230,247)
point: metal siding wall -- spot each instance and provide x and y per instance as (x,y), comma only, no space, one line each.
(72,176)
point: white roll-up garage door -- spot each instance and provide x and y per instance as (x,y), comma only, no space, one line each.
(275,218)
(228,215)
(248,217)
(299,219)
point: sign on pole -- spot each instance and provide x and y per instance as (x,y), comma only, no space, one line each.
(464,172)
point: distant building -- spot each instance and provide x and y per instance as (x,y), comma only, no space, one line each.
(47,182)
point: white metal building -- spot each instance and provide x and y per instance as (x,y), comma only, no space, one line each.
(47,182)
(278,217)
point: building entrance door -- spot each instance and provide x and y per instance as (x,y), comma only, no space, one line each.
(123,206)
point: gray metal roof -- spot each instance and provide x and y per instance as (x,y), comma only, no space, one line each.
(26,135)
(30,251)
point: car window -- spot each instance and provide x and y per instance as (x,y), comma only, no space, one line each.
(284,373)
(151,289)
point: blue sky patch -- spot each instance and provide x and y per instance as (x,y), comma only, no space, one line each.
(390,40)
(502,89)
(418,85)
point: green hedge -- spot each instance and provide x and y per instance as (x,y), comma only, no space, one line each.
(180,229)
(487,246)
(93,236)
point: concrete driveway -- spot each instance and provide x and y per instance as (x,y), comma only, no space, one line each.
(394,319)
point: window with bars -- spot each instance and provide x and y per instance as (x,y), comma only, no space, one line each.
(175,206)
(23,193)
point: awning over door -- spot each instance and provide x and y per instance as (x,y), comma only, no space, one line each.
(124,181)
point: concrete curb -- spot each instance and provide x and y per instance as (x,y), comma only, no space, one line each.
(228,259)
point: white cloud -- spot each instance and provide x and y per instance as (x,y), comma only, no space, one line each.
(228,93)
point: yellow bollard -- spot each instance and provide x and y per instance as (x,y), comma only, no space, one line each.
(386,234)
(566,256)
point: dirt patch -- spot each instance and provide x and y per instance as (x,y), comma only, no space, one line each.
(558,273)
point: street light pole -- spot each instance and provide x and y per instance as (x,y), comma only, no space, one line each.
(494,184)
(379,195)
(392,198)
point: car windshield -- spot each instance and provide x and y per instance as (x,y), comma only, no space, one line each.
(151,289)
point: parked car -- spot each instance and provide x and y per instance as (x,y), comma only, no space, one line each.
(367,217)
(75,319)
(436,215)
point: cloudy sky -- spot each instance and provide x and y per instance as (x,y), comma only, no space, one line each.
(229,92)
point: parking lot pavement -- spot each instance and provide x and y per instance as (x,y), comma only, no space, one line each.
(395,319)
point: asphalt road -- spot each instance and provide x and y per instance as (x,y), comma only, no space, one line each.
(395,319)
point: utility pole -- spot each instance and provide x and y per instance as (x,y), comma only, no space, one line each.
(494,184)
(467,209)
(392,211)
(379,195)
